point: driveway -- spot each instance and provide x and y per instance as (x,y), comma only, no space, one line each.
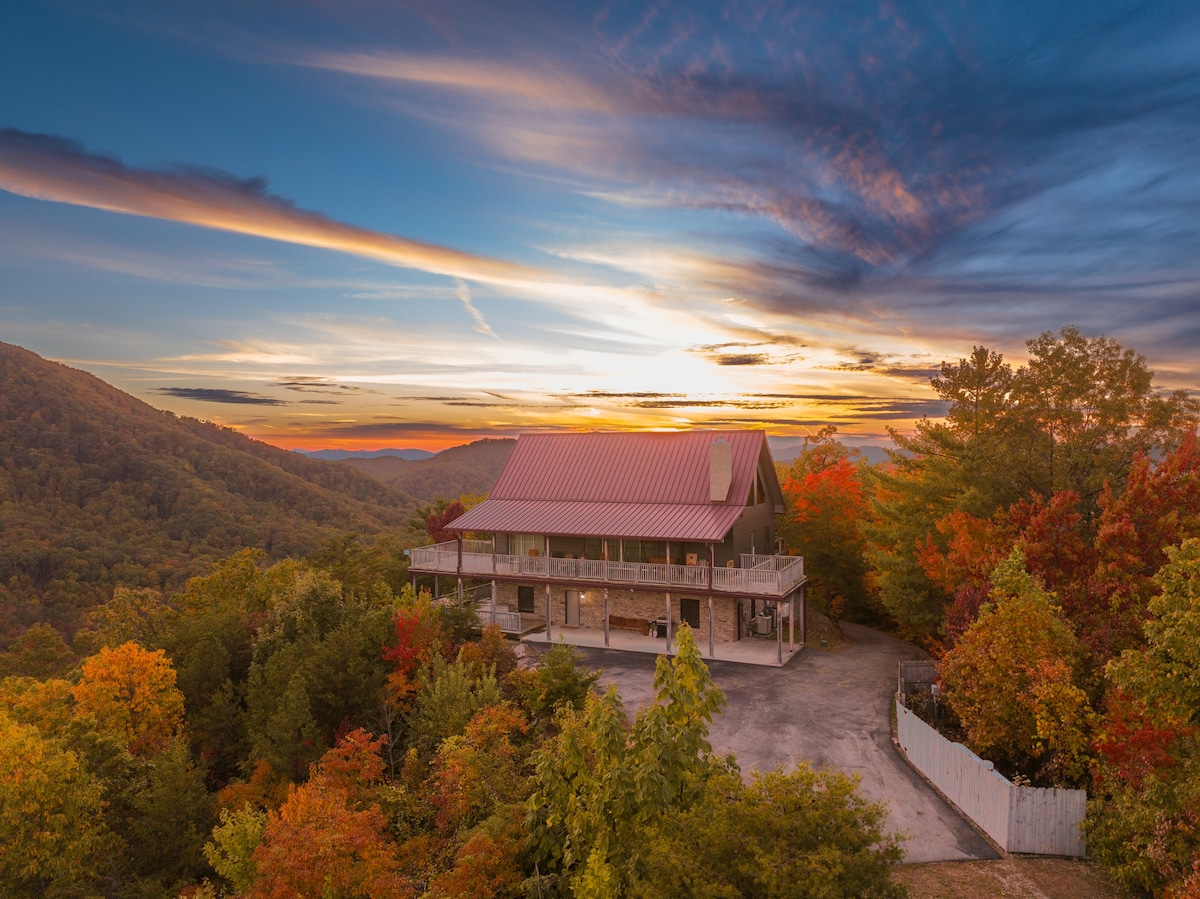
(831,709)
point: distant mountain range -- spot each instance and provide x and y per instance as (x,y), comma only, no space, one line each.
(784,450)
(98,488)
(339,455)
(472,468)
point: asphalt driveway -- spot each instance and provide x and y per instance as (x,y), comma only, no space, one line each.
(831,709)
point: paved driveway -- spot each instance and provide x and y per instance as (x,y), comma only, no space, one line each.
(830,709)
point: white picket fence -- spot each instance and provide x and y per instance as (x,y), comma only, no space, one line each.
(1033,820)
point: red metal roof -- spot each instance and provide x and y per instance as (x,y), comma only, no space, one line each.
(618,484)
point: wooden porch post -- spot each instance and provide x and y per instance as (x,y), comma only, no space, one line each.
(460,593)
(804,613)
(779,631)
(436,587)
(493,602)
(606,618)
(712,626)
(668,624)
(549,614)
(458,568)
(792,622)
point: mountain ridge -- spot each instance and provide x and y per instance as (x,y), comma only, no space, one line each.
(99,489)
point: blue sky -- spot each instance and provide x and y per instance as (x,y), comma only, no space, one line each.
(390,224)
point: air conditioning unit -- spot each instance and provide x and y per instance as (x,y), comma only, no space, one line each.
(762,624)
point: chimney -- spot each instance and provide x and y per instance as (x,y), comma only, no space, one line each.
(720,469)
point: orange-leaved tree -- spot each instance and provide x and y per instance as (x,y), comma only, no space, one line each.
(131,693)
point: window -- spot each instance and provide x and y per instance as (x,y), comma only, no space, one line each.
(689,611)
(525,600)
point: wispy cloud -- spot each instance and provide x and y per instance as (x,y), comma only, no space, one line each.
(218,395)
(51,168)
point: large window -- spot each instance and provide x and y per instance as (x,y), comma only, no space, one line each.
(526,545)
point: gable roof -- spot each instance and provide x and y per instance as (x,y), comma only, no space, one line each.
(620,484)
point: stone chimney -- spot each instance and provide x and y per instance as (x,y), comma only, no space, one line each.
(720,469)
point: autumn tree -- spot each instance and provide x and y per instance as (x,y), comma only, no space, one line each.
(330,837)
(826,503)
(1144,818)
(52,835)
(131,692)
(1012,679)
(1073,419)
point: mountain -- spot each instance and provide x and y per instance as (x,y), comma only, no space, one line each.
(98,489)
(873,453)
(338,455)
(472,468)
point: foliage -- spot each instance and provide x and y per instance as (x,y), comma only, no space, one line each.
(1072,420)
(599,791)
(826,502)
(1144,824)
(100,490)
(448,699)
(231,849)
(560,680)
(52,835)
(785,836)
(1011,679)
(131,693)
(40,652)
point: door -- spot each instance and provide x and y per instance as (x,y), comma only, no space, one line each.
(689,611)
(572,608)
(525,600)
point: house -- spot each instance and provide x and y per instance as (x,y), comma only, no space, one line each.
(634,531)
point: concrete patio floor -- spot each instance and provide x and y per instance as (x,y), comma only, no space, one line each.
(748,651)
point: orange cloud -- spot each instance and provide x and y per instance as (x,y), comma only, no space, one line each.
(49,168)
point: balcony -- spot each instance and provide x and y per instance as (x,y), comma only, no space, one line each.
(756,575)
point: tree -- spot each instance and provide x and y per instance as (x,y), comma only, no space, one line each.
(329,838)
(40,652)
(131,692)
(1012,681)
(600,790)
(786,836)
(826,503)
(51,833)
(1074,418)
(1144,817)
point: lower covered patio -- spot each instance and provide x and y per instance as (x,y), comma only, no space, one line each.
(772,651)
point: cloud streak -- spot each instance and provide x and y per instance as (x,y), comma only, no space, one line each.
(46,167)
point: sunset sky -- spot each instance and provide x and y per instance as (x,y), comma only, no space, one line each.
(370,224)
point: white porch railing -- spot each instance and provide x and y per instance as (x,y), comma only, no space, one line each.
(758,575)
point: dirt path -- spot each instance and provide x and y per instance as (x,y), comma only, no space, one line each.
(1015,877)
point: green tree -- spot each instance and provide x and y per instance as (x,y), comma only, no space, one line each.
(1072,419)
(1144,816)
(600,790)
(783,836)
(52,836)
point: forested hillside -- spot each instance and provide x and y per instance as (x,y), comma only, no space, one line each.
(470,469)
(98,488)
